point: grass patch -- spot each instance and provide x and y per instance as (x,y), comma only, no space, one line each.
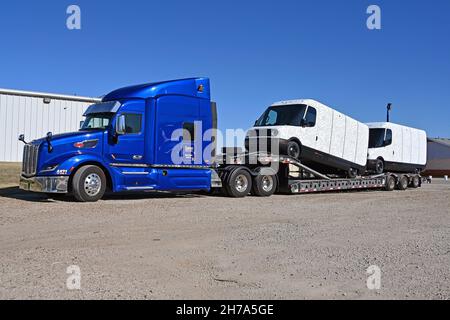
(9,174)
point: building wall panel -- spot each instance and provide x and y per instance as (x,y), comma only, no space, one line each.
(34,118)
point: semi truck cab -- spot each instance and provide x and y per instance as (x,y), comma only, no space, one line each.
(157,136)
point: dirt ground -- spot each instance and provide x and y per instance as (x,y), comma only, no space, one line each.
(9,174)
(158,246)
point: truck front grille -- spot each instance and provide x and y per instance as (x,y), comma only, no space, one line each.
(30,159)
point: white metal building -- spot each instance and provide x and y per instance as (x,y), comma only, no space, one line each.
(438,157)
(34,114)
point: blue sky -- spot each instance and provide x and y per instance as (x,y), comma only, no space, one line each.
(255,52)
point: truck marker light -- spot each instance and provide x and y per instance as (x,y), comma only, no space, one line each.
(78,145)
(201,88)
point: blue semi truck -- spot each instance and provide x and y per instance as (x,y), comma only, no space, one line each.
(161,137)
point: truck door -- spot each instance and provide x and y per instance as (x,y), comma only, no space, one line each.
(179,130)
(129,147)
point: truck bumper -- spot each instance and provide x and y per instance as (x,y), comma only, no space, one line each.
(45,184)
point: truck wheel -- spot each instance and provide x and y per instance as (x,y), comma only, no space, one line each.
(293,149)
(415,183)
(390,183)
(264,186)
(379,166)
(89,184)
(403,183)
(239,184)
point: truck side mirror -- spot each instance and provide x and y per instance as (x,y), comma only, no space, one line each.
(120,125)
(81,124)
(22,138)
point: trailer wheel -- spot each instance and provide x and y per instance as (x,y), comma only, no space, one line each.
(352,173)
(239,183)
(264,185)
(293,149)
(390,183)
(415,183)
(403,183)
(89,184)
(379,166)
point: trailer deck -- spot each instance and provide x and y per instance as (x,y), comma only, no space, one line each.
(291,176)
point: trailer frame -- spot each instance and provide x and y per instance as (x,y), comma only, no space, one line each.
(304,179)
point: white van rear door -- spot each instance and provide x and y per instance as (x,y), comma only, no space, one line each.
(362,144)
(406,157)
(324,123)
(395,151)
(350,145)
(415,146)
(337,135)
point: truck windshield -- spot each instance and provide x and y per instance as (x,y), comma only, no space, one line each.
(376,138)
(288,115)
(97,121)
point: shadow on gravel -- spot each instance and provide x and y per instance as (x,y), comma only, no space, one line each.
(16,193)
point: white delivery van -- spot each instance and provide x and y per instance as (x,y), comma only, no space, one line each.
(322,138)
(396,148)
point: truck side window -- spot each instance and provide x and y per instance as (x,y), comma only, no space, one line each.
(310,117)
(133,123)
(188,131)
(388,139)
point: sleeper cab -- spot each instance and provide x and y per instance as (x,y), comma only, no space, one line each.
(308,130)
(396,148)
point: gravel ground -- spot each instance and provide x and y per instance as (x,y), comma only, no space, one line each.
(158,246)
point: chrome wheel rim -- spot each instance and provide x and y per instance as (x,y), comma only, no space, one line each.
(92,184)
(241,183)
(267,183)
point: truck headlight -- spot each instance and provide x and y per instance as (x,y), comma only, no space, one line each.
(87,144)
(50,168)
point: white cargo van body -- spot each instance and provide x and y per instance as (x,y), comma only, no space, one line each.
(327,138)
(397,148)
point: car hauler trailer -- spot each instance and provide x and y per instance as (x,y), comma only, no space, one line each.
(160,137)
(271,174)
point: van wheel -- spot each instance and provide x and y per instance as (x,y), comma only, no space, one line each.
(403,183)
(390,183)
(293,149)
(415,183)
(89,184)
(379,166)
(264,186)
(239,184)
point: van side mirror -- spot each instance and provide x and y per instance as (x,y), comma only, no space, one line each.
(120,125)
